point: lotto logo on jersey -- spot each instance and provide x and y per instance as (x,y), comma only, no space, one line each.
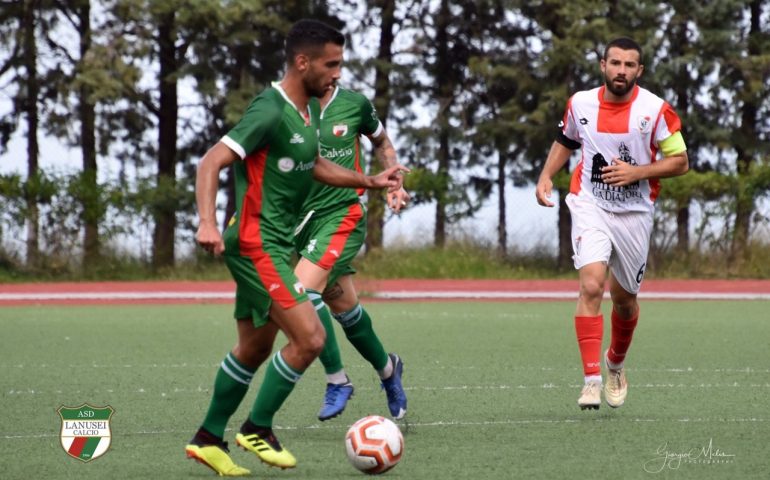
(339,130)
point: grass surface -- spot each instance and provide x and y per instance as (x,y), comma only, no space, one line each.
(492,392)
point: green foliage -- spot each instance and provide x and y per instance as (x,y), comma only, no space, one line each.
(455,260)
(492,77)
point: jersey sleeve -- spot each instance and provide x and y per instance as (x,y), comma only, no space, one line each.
(667,127)
(370,123)
(568,134)
(254,129)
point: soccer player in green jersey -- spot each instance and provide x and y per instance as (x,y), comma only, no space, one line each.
(330,235)
(274,153)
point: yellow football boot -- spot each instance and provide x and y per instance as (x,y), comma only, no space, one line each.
(216,458)
(266,448)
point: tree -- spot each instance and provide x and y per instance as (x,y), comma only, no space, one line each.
(376,206)
(442,35)
(505,92)
(749,74)
(162,32)
(62,85)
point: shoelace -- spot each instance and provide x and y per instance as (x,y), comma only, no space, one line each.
(332,394)
(614,380)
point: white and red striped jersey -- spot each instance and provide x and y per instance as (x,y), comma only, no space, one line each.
(631,131)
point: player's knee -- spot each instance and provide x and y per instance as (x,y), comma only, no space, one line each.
(310,346)
(591,290)
(626,308)
(252,355)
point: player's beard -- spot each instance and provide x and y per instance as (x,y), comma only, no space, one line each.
(619,91)
(315,87)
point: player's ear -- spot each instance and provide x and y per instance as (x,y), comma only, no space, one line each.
(301,62)
(641,70)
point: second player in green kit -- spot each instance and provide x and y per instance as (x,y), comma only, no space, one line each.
(331,233)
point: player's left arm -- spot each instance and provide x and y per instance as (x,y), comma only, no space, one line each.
(330,173)
(385,153)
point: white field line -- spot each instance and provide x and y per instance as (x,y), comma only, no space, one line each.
(571,295)
(48,296)
(683,370)
(545,386)
(392,295)
(442,423)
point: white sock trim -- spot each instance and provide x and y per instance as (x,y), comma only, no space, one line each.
(337,378)
(593,378)
(387,371)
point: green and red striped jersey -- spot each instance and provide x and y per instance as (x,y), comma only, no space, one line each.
(346,117)
(278,146)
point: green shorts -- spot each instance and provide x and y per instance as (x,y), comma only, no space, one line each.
(332,239)
(259,281)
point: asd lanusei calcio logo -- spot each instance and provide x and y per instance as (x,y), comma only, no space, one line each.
(85,431)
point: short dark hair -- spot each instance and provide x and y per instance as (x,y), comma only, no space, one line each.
(308,34)
(623,43)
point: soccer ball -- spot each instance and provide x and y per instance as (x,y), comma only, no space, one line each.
(374,444)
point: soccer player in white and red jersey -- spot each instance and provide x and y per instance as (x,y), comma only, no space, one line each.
(628,138)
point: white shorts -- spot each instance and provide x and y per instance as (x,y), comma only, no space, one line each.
(620,240)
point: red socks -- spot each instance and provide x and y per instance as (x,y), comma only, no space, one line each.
(589,335)
(622,331)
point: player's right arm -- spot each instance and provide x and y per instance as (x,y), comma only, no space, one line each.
(557,158)
(208,235)
(250,134)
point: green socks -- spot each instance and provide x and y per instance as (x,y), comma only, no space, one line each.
(358,328)
(330,355)
(279,381)
(230,386)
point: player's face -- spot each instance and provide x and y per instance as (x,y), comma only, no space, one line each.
(323,71)
(621,68)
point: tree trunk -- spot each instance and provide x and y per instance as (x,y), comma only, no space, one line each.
(33,151)
(88,146)
(502,231)
(375,219)
(445,101)
(682,106)
(165,212)
(747,137)
(564,260)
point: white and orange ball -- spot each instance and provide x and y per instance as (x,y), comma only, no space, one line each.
(374,444)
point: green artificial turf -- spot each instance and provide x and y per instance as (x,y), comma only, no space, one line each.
(492,392)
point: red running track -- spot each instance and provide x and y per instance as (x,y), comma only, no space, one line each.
(90,293)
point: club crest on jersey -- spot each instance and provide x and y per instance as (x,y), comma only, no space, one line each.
(340,130)
(85,431)
(644,122)
(285,164)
